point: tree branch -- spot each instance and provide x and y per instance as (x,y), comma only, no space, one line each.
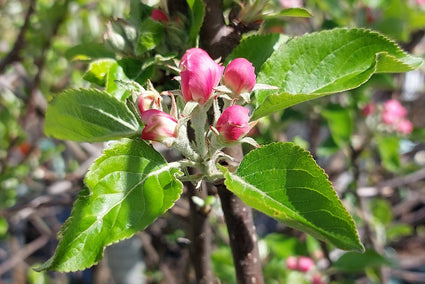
(200,236)
(242,233)
(13,55)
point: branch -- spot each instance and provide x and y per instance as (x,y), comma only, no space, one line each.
(13,55)
(242,233)
(200,236)
(216,37)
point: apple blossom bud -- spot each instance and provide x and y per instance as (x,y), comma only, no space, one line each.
(159,16)
(404,126)
(292,263)
(199,75)
(239,76)
(148,100)
(233,123)
(392,112)
(305,263)
(158,125)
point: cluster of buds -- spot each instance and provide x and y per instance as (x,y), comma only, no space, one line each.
(204,83)
(393,115)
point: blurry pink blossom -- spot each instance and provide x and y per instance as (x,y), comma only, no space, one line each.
(393,111)
(239,76)
(404,126)
(291,3)
(233,123)
(199,75)
(292,263)
(317,279)
(305,263)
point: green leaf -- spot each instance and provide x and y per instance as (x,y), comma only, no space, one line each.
(295,12)
(353,261)
(388,147)
(197,9)
(89,115)
(340,123)
(116,73)
(128,187)
(283,181)
(249,47)
(151,33)
(324,63)
(88,51)
(98,70)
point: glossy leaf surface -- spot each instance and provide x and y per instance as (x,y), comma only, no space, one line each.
(283,181)
(327,62)
(128,187)
(89,115)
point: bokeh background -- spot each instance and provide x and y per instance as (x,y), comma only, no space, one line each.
(376,165)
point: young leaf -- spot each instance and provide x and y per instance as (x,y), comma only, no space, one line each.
(294,12)
(327,62)
(340,121)
(249,47)
(128,187)
(98,71)
(197,9)
(283,181)
(388,148)
(89,115)
(115,73)
(151,33)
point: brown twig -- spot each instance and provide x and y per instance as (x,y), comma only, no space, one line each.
(24,253)
(19,44)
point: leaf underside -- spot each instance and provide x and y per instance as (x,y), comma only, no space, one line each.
(283,181)
(327,62)
(128,187)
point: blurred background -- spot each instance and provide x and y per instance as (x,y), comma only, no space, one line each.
(370,141)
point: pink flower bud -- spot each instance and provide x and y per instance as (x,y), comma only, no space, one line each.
(404,126)
(158,125)
(159,16)
(233,123)
(147,101)
(239,76)
(305,263)
(392,112)
(199,75)
(292,263)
